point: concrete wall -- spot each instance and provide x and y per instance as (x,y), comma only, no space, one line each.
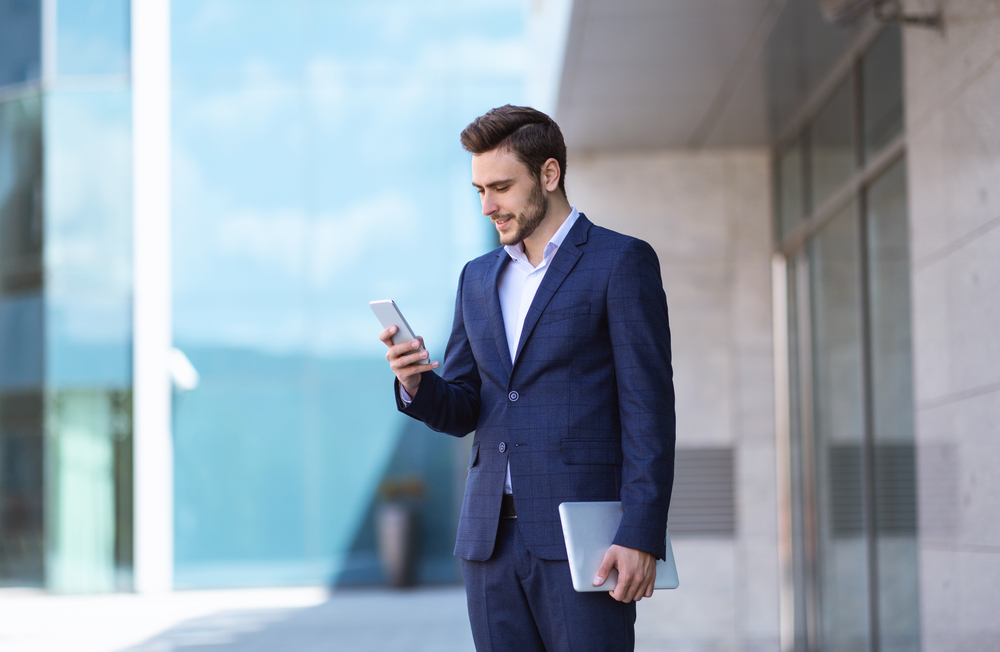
(953,116)
(708,215)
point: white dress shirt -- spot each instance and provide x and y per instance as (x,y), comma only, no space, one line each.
(517,286)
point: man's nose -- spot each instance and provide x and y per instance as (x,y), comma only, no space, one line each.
(489,206)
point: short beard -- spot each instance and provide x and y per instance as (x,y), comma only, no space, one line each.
(530,218)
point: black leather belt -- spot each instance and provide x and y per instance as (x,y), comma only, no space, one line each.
(507,507)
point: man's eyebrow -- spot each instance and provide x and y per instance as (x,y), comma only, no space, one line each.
(501,182)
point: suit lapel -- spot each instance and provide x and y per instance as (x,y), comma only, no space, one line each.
(491,291)
(560,267)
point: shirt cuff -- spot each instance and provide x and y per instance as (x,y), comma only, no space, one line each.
(406,398)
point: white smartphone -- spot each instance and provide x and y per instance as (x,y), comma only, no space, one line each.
(389,315)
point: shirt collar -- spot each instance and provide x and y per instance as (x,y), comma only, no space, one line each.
(516,251)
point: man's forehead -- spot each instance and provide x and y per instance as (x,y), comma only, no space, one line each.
(495,165)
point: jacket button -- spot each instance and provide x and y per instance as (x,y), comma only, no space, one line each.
(513,396)
(503,447)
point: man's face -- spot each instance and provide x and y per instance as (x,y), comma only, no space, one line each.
(512,197)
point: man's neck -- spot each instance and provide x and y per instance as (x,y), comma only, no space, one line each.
(534,244)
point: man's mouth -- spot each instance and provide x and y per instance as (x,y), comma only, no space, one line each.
(501,222)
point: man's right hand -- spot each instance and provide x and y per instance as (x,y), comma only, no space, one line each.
(407,360)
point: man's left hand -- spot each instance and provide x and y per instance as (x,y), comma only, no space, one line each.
(636,573)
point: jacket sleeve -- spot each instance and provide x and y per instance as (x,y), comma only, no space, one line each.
(640,341)
(449,403)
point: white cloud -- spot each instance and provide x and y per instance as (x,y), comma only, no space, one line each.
(265,94)
(317,250)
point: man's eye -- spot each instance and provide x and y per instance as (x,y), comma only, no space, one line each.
(502,188)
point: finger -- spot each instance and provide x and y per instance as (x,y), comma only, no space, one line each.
(416,357)
(639,590)
(405,348)
(610,560)
(639,585)
(403,375)
(651,582)
(386,335)
(620,591)
(628,590)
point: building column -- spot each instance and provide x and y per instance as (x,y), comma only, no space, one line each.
(153,457)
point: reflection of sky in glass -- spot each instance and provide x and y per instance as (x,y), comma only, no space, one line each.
(317,167)
(88,231)
(21,310)
(93,37)
(317,164)
(20,41)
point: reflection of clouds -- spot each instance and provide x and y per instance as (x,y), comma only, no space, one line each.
(214,16)
(261,95)
(90,318)
(88,232)
(265,92)
(319,250)
(395,19)
(311,181)
(284,280)
(475,57)
(87,195)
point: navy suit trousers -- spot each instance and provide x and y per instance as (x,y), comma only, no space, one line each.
(520,603)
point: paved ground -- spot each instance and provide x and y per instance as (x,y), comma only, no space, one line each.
(268,620)
(271,620)
(425,620)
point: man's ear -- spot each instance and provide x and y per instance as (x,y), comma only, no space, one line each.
(551,174)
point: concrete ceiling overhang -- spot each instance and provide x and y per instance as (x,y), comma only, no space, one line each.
(658,74)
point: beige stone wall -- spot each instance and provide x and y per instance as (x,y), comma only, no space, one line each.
(953,125)
(708,216)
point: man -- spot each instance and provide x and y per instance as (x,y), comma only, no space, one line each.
(559,360)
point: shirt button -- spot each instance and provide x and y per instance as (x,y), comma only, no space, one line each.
(503,447)
(513,396)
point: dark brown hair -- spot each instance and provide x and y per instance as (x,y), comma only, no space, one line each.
(531,135)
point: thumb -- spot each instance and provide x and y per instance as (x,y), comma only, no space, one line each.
(610,561)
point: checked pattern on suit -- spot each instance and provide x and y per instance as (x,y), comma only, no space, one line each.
(585,413)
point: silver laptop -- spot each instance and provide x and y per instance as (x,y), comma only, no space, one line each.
(589,530)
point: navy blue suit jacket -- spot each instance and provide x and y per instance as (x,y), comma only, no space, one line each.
(587,411)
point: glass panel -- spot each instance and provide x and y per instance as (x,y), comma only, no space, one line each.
(882,94)
(88,232)
(21,194)
(21,486)
(842,560)
(20,41)
(791,199)
(802,47)
(831,146)
(88,339)
(21,342)
(801,471)
(93,37)
(89,434)
(893,409)
(282,237)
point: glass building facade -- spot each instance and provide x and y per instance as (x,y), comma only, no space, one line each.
(851,555)
(316,167)
(65,295)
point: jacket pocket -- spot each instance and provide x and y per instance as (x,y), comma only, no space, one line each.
(474,457)
(591,451)
(561,314)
